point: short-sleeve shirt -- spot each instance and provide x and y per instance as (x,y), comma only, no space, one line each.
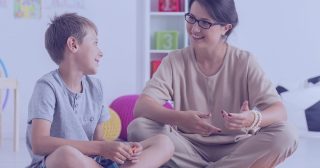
(73,116)
(240,78)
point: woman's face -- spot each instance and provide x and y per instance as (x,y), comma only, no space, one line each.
(201,37)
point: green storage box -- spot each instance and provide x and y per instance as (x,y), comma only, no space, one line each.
(166,40)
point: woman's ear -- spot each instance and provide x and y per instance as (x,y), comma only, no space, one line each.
(72,44)
(226,28)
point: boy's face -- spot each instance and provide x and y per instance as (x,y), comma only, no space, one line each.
(89,54)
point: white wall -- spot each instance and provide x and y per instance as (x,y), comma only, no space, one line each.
(284,35)
(22,49)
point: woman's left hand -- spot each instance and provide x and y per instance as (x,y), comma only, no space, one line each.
(238,121)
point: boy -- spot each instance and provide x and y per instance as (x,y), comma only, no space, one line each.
(66,109)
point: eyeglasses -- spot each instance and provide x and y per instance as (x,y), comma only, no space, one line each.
(202,23)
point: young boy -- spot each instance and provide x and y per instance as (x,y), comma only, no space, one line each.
(66,109)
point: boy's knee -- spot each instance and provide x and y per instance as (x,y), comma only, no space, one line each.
(68,155)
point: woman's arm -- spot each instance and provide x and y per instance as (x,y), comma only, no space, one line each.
(275,113)
(246,118)
(147,107)
(188,121)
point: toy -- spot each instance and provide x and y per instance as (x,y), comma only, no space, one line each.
(112,127)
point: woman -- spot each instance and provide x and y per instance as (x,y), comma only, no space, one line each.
(226,112)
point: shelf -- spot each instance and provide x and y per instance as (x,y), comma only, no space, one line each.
(154,22)
(167,13)
(160,51)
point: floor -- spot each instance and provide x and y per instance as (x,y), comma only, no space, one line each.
(306,156)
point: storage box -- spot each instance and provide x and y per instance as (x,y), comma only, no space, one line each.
(154,66)
(166,40)
(169,5)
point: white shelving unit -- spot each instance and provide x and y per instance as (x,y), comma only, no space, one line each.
(155,21)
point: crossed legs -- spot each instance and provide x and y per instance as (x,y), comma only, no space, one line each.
(269,147)
(157,150)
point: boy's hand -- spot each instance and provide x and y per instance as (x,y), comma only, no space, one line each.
(136,150)
(116,151)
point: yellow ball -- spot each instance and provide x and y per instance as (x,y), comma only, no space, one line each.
(112,127)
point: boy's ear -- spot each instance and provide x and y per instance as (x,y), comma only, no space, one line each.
(72,44)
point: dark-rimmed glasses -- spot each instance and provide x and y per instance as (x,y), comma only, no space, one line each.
(202,23)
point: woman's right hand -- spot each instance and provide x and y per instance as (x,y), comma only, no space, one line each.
(116,151)
(194,122)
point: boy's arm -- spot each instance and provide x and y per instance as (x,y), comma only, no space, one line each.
(98,133)
(43,144)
